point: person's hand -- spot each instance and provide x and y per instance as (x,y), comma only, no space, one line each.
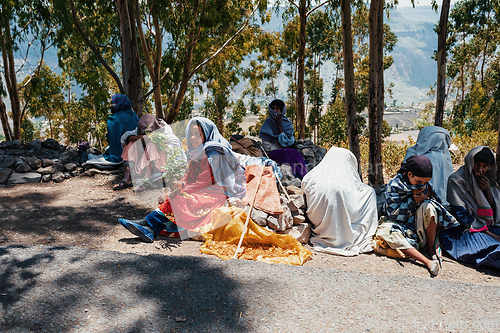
(483,183)
(420,195)
(133,138)
(179,185)
(162,198)
(489,233)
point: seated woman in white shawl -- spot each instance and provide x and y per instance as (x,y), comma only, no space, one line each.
(341,207)
(434,142)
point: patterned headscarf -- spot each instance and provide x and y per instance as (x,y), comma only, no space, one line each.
(120,102)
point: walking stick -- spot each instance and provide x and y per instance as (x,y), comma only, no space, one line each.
(248,215)
(279,181)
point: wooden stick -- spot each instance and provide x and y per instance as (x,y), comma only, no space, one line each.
(279,181)
(248,215)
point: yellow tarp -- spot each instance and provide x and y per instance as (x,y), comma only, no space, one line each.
(223,233)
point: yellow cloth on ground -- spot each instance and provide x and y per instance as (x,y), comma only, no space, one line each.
(223,233)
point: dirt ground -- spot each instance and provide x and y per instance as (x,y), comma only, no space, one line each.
(84,212)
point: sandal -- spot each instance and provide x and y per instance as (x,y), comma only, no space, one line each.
(434,268)
(121,185)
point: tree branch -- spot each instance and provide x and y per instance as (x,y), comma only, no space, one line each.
(156,85)
(94,49)
(224,45)
(312,10)
(293,4)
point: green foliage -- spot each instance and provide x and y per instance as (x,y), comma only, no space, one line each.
(478,138)
(28,131)
(43,96)
(333,128)
(175,166)
(386,129)
(239,111)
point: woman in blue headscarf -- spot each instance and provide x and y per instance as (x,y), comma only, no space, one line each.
(214,174)
(121,120)
(277,134)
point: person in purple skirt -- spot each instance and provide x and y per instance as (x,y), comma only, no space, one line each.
(277,136)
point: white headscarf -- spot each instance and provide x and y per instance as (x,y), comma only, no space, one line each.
(433,142)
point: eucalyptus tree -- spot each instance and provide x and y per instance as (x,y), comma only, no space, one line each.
(349,87)
(197,33)
(18,21)
(44,96)
(303,8)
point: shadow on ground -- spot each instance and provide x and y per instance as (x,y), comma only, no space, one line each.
(59,290)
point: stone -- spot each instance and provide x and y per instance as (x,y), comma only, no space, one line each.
(51,144)
(308,153)
(22,178)
(46,178)
(46,171)
(294,190)
(75,173)
(296,202)
(283,199)
(23,167)
(274,223)
(259,217)
(94,151)
(33,162)
(58,166)
(36,144)
(322,151)
(286,172)
(301,232)
(70,167)
(294,182)
(90,173)
(14,144)
(66,175)
(308,142)
(286,219)
(58,177)
(47,162)
(298,219)
(2,151)
(7,161)
(454,149)
(68,155)
(4,175)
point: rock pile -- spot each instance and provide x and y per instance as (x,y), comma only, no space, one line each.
(312,153)
(293,221)
(39,161)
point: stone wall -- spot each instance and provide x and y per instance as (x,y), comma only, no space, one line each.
(40,161)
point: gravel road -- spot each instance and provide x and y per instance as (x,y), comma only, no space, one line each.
(69,289)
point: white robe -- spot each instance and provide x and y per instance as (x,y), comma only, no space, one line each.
(341,207)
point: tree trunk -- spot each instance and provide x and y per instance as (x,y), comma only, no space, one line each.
(350,91)
(11,80)
(152,57)
(441,63)
(301,118)
(131,66)
(376,93)
(5,121)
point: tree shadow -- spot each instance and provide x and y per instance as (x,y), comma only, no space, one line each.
(59,289)
(31,212)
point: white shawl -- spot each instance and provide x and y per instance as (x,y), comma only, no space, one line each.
(341,207)
(434,142)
